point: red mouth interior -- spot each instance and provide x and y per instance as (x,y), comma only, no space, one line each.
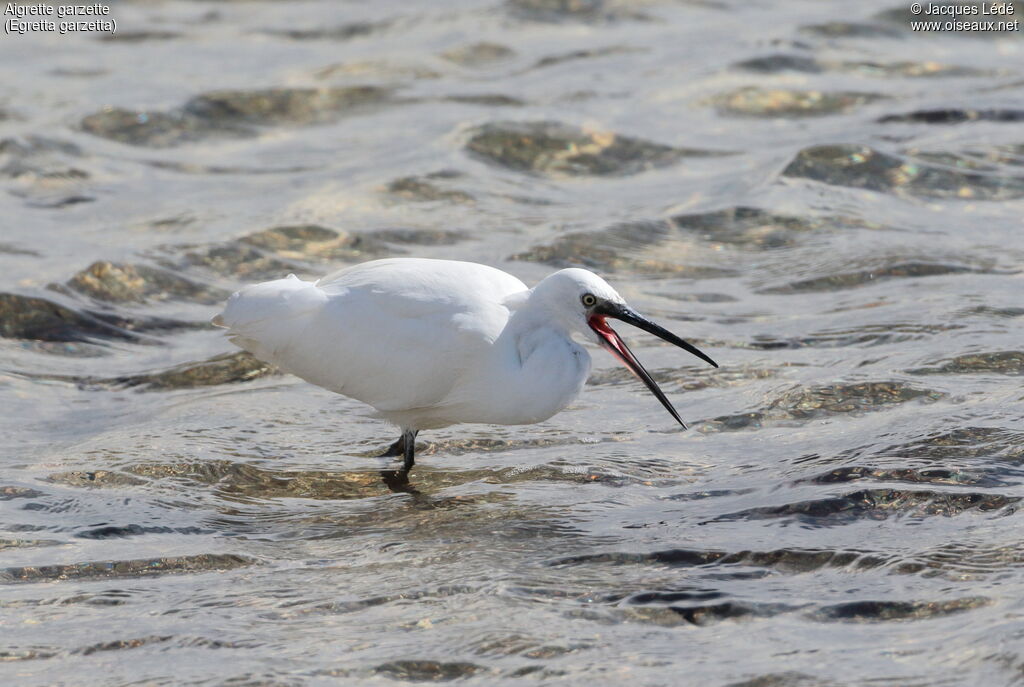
(611,340)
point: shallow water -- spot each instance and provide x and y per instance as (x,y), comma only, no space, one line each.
(824,200)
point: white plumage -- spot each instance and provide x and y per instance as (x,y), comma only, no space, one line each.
(431,343)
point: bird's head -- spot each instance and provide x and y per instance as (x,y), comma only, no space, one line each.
(583,302)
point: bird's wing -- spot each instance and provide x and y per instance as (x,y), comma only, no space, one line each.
(396,334)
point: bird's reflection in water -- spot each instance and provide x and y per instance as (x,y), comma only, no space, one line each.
(397,481)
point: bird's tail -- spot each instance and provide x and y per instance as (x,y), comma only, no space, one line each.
(265,319)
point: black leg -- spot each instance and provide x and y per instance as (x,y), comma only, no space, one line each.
(409,454)
(398,480)
(403,447)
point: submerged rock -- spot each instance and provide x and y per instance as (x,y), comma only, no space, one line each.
(554,148)
(552,60)
(427,671)
(853,473)
(880,504)
(376,70)
(810,403)
(139,36)
(835,399)
(850,280)
(236,259)
(421,237)
(126,568)
(888,611)
(846,29)
(760,102)
(862,167)
(230,113)
(624,247)
(862,335)
(964,443)
(1000,362)
(121,283)
(237,480)
(421,190)
(48,171)
(643,246)
(335,33)
(956,116)
(586,11)
(10,249)
(95,478)
(755,228)
(283,105)
(992,160)
(26,317)
(776,64)
(9,493)
(310,241)
(229,368)
(478,54)
(275,252)
(557,10)
(485,99)
(155,129)
(40,158)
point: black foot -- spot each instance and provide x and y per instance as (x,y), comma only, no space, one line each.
(396,449)
(404,447)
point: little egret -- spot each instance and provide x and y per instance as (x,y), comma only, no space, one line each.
(433,343)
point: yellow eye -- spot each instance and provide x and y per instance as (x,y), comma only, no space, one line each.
(589,299)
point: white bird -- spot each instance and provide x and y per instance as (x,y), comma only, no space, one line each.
(432,343)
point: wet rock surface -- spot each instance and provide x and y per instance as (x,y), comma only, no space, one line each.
(818,402)
(283,105)
(862,167)
(478,54)
(879,504)
(121,283)
(997,362)
(956,116)
(231,114)
(342,32)
(38,319)
(848,398)
(647,247)
(837,282)
(425,190)
(312,241)
(127,568)
(153,128)
(553,148)
(558,11)
(758,229)
(275,252)
(758,102)
(379,70)
(609,251)
(223,369)
(783,62)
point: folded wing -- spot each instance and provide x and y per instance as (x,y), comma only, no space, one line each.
(396,334)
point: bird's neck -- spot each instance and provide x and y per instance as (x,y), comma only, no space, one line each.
(531,324)
(538,369)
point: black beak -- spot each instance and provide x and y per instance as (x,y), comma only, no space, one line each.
(616,346)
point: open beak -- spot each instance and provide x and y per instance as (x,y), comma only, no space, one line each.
(610,340)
